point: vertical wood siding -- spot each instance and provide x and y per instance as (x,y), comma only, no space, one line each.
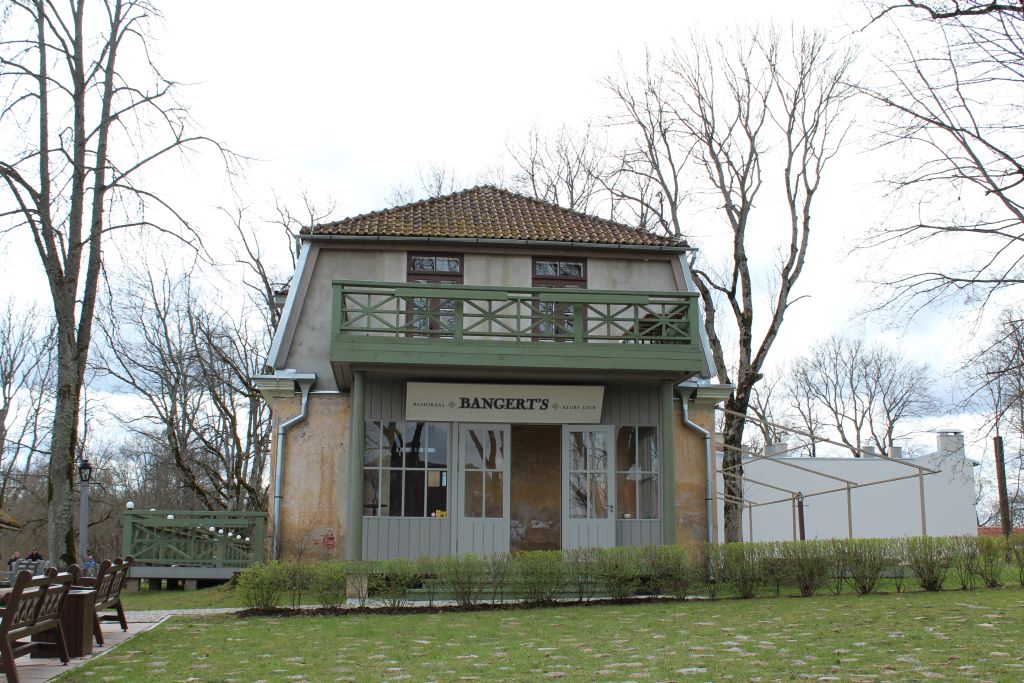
(385,538)
(628,404)
(629,532)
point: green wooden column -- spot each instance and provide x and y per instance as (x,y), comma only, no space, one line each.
(354,537)
(667,447)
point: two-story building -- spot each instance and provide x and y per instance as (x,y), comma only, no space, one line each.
(485,372)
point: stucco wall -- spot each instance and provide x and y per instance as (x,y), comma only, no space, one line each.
(310,350)
(691,477)
(313,509)
(498,270)
(631,275)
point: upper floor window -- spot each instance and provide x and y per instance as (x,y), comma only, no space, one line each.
(555,321)
(442,268)
(433,313)
(558,272)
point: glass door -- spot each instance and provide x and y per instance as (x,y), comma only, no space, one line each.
(482,490)
(588,487)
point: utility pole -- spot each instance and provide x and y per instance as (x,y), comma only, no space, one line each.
(1004,501)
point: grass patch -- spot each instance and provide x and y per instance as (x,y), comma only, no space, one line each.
(217,596)
(956,635)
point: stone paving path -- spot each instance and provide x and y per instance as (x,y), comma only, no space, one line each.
(42,670)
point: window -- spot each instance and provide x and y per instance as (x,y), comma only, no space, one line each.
(433,314)
(405,469)
(636,472)
(555,321)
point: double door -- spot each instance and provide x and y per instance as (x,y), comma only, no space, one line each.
(481,490)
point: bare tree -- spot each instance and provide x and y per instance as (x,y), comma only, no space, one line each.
(864,391)
(567,168)
(434,180)
(954,89)
(704,122)
(26,364)
(81,132)
(767,407)
(193,366)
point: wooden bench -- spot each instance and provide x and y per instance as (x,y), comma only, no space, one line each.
(108,583)
(33,607)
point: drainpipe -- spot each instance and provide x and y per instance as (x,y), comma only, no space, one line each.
(305,381)
(709,491)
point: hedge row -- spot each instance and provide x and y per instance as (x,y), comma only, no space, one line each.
(744,569)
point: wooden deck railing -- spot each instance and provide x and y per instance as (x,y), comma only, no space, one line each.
(194,538)
(522,314)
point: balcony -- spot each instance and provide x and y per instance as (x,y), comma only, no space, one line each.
(522,329)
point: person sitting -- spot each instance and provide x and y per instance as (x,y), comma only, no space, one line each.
(35,555)
(89,566)
(14,559)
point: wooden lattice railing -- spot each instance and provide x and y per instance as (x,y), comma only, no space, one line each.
(523,314)
(194,538)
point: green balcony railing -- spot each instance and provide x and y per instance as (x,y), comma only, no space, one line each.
(527,314)
(194,538)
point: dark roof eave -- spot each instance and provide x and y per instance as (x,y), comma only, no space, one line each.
(664,248)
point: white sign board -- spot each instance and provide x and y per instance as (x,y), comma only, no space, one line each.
(503,403)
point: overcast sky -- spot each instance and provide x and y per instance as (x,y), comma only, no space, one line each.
(349,100)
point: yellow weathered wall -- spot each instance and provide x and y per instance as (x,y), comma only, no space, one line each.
(691,479)
(313,509)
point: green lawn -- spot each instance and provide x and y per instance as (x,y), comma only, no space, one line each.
(953,635)
(218,596)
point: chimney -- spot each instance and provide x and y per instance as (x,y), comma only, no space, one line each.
(951,442)
(772,450)
(869,451)
(896,452)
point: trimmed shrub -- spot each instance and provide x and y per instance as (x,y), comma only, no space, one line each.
(808,564)
(464,576)
(499,567)
(838,568)
(1015,548)
(866,561)
(360,576)
(673,570)
(262,585)
(539,575)
(714,569)
(620,572)
(329,583)
(774,568)
(929,558)
(299,579)
(580,571)
(964,559)
(393,580)
(426,568)
(991,560)
(744,568)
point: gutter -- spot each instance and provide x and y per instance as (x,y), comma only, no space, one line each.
(709,491)
(499,242)
(305,381)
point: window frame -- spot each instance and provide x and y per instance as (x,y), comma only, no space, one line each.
(561,314)
(433,305)
(641,475)
(382,467)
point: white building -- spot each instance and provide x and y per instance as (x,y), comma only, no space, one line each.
(840,500)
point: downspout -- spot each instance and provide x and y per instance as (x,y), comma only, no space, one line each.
(709,490)
(305,382)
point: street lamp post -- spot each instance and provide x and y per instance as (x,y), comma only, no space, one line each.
(84,475)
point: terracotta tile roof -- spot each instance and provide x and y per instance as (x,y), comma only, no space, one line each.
(492,213)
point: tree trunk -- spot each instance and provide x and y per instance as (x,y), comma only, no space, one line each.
(63,447)
(732,463)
